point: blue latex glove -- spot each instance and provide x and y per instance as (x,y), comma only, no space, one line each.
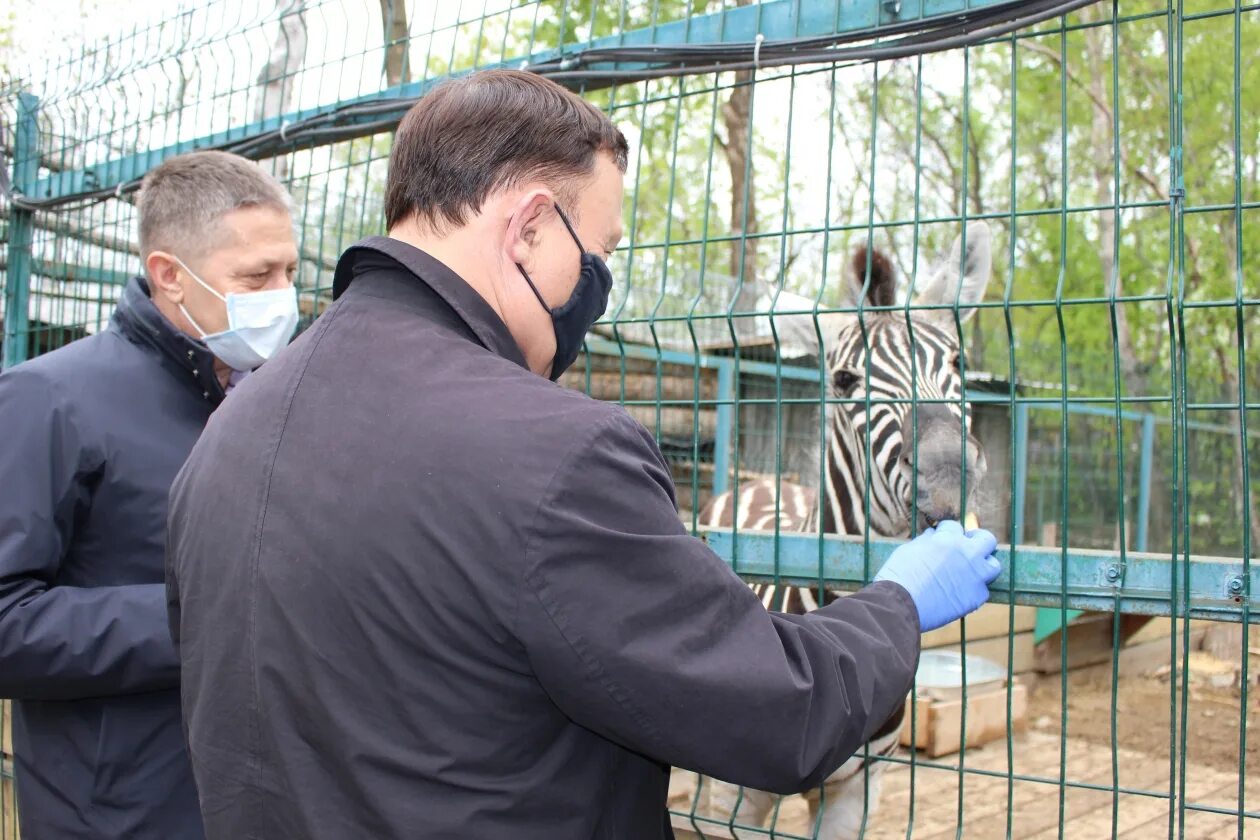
(946,571)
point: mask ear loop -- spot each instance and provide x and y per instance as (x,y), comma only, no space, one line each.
(532,287)
(203,285)
(525,274)
(569,226)
(196,326)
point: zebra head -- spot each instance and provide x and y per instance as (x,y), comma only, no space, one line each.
(901,429)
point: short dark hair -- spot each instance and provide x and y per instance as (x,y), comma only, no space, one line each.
(473,136)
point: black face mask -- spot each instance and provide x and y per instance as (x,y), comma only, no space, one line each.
(574,318)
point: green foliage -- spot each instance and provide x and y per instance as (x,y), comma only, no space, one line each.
(8,21)
(1069,154)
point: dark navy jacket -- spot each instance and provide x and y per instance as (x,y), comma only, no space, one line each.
(91,436)
(421,592)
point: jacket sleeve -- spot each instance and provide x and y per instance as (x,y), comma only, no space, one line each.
(63,642)
(640,633)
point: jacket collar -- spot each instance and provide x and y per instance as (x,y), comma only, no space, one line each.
(470,306)
(137,318)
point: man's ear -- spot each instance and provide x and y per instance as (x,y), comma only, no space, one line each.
(163,274)
(524,227)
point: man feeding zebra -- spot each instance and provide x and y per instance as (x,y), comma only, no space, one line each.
(419,590)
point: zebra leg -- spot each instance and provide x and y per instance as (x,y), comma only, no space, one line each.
(754,805)
(849,805)
(852,793)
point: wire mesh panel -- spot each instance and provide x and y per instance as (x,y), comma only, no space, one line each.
(847,221)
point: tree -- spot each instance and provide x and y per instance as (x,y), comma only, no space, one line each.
(395,33)
(276,80)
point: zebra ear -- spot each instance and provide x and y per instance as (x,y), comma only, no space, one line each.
(961,280)
(794,323)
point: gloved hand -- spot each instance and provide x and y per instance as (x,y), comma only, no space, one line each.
(946,571)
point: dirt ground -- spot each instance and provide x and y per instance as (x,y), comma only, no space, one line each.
(1145,703)
(925,805)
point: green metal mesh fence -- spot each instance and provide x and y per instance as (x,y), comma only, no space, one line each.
(1113,149)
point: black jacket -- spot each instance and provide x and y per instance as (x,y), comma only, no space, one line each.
(92,435)
(421,592)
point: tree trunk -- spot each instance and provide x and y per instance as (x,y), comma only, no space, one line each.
(743,218)
(1244,503)
(1132,376)
(275,80)
(395,33)
(736,113)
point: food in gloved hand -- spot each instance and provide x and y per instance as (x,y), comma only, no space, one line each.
(972,522)
(946,571)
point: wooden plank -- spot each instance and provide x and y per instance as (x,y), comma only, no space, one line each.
(1089,641)
(8,810)
(1148,656)
(1145,643)
(989,621)
(601,363)
(611,386)
(1162,628)
(1225,642)
(676,421)
(8,797)
(938,724)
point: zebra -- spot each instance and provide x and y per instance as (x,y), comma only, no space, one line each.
(920,362)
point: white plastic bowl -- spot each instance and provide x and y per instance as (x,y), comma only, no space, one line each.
(940,674)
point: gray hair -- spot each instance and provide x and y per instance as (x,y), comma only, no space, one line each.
(183,199)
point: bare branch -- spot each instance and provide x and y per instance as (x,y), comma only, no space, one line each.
(1046,52)
(396,34)
(276,79)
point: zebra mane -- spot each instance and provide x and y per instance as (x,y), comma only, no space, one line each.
(883,279)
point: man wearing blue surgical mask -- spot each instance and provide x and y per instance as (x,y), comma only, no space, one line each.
(244,308)
(94,433)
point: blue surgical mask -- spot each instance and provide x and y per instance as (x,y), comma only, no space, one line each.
(573,319)
(259,324)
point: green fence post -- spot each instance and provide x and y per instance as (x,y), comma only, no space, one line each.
(17,287)
(1021,471)
(1144,483)
(722,436)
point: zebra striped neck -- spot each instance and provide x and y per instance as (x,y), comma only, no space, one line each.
(895,362)
(844,501)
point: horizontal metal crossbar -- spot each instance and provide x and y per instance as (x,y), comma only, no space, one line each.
(1071,578)
(1095,406)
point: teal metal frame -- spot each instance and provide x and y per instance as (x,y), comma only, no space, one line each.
(1095,580)
(17,287)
